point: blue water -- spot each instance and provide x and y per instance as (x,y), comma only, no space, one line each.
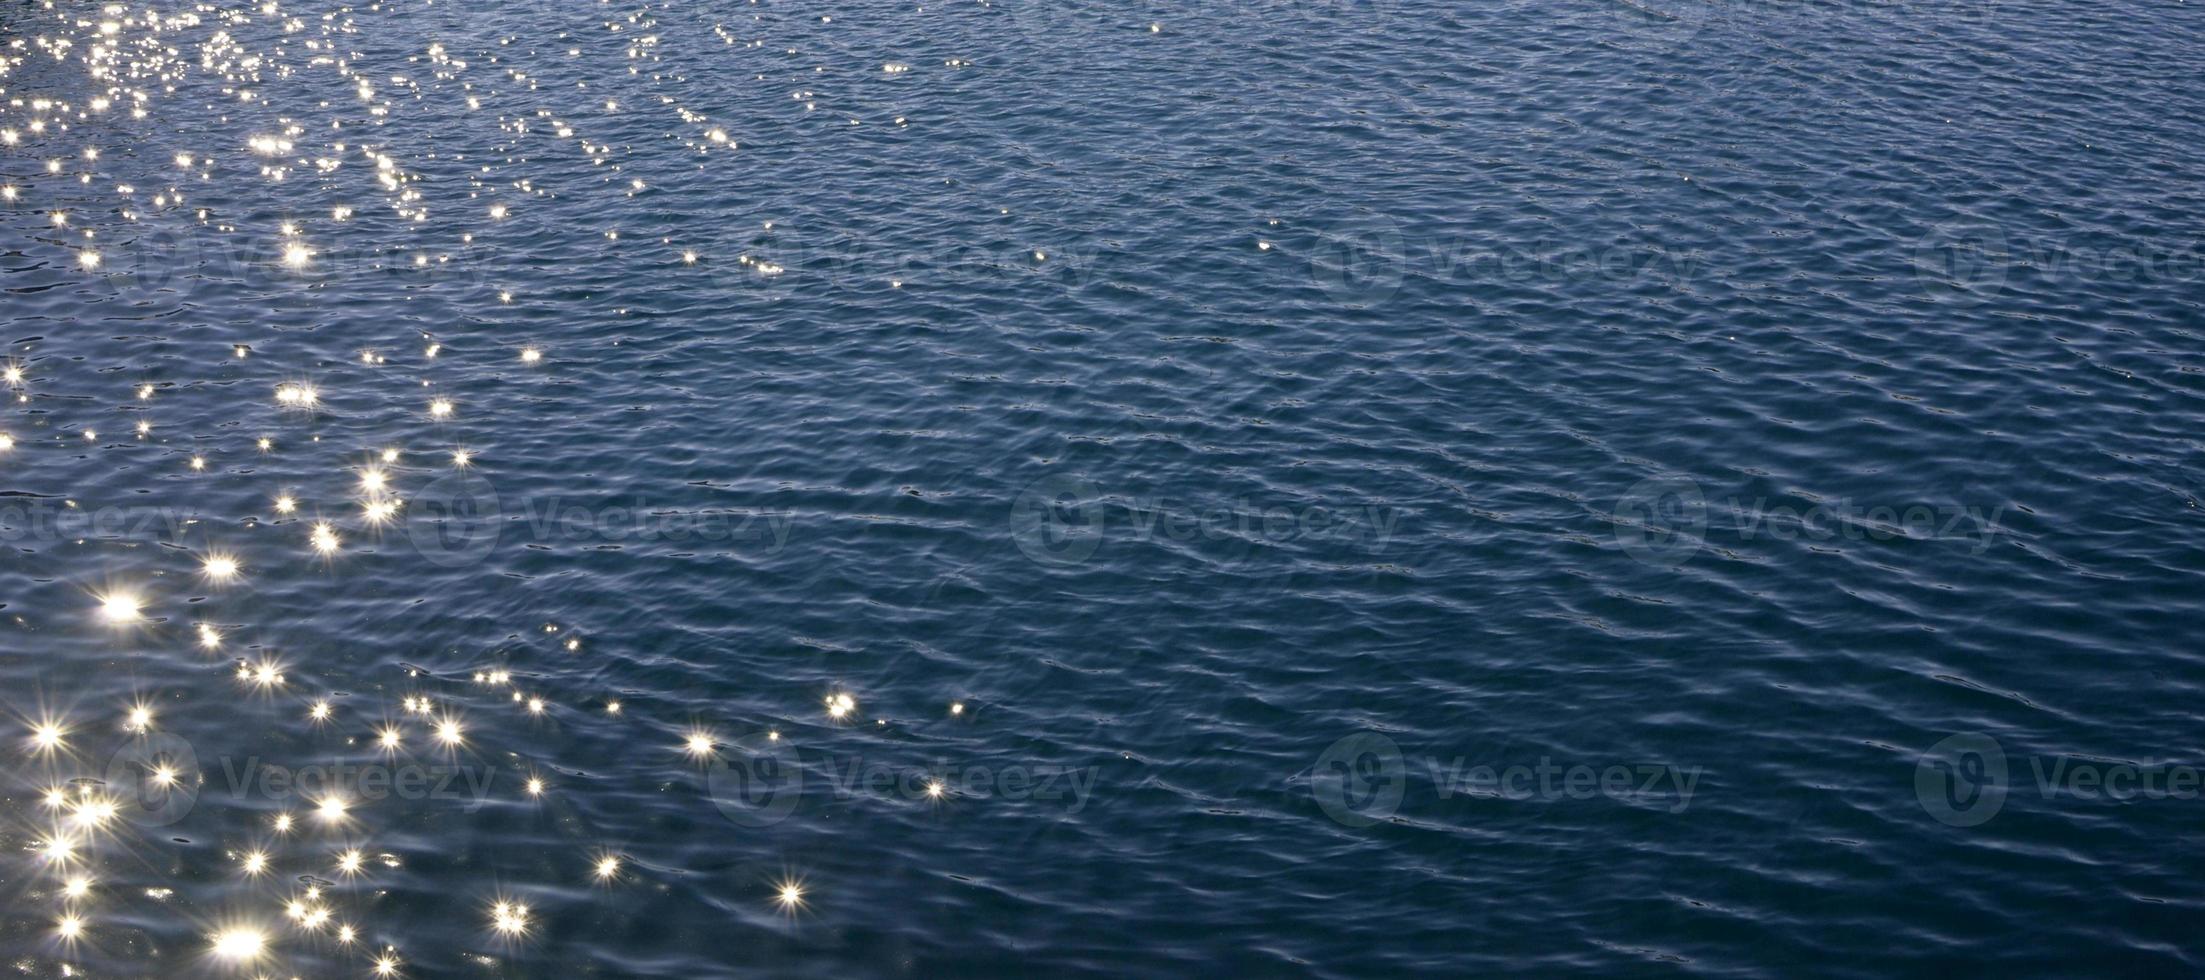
(1263,488)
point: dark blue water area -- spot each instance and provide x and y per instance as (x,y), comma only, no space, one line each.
(1262,488)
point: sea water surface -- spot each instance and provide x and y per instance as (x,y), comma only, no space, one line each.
(1254,488)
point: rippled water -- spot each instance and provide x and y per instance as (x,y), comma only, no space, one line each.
(1265,487)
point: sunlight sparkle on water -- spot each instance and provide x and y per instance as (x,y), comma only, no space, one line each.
(698,743)
(47,735)
(120,607)
(790,895)
(240,944)
(509,918)
(220,567)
